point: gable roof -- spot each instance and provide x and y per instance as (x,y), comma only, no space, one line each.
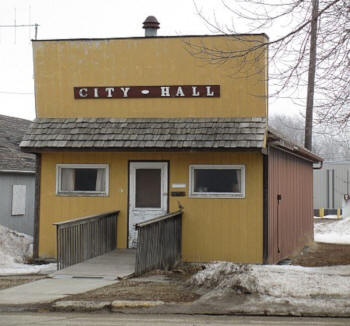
(145,134)
(11,158)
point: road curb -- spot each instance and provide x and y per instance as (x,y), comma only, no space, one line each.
(80,306)
(191,308)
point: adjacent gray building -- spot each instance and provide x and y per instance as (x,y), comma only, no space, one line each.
(331,183)
(17,177)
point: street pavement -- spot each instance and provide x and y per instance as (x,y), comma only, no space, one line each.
(75,319)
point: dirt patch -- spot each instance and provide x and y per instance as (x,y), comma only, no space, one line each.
(14,280)
(135,290)
(323,254)
(170,287)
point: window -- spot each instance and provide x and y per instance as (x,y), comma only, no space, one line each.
(221,181)
(82,179)
(18,200)
(148,188)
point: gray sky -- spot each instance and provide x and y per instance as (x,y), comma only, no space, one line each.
(88,19)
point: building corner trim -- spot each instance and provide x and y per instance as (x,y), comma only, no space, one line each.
(37,206)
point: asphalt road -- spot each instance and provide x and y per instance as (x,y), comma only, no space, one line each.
(97,319)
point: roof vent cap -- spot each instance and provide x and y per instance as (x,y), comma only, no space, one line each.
(151,25)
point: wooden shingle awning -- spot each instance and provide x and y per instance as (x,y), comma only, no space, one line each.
(145,134)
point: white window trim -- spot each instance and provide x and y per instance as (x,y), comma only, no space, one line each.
(59,192)
(216,194)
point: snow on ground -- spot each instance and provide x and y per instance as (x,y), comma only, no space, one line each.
(328,217)
(281,289)
(15,249)
(275,280)
(333,232)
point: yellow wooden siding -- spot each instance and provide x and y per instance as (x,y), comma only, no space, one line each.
(61,65)
(213,228)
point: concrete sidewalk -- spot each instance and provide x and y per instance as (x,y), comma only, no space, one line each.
(89,275)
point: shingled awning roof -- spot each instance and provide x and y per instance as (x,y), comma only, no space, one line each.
(11,158)
(145,134)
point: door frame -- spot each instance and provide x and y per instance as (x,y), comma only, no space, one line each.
(128,197)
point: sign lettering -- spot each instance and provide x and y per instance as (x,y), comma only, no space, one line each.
(176,91)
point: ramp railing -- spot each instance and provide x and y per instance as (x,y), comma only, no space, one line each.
(83,238)
(158,243)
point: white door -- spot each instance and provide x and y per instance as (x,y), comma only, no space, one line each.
(148,194)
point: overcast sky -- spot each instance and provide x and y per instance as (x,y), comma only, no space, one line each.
(88,19)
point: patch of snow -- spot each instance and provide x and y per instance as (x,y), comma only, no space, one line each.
(330,217)
(333,232)
(15,249)
(21,269)
(275,280)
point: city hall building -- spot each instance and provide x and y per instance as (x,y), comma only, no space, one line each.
(142,126)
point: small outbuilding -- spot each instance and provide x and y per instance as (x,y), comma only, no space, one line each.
(332,188)
(17,177)
(141,126)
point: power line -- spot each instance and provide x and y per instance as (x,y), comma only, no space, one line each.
(16,93)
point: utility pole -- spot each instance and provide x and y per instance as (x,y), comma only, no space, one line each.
(311,77)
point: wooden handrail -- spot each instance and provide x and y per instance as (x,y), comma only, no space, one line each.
(159,242)
(83,238)
(86,218)
(157,219)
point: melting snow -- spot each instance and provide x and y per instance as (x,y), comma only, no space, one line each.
(322,289)
(333,232)
(274,280)
(15,249)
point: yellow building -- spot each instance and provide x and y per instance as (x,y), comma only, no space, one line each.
(143,126)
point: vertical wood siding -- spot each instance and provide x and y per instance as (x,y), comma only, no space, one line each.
(212,228)
(60,65)
(290,220)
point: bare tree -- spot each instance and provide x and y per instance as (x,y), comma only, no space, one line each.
(314,33)
(330,144)
(291,127)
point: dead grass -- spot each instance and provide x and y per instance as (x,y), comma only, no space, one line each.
(14,280)
(135,290)
(173,289)
(323,254)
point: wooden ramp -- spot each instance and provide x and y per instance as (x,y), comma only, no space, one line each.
(116,264)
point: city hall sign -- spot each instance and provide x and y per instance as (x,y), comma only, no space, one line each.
(177,91)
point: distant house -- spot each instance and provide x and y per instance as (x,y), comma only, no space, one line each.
(17,177)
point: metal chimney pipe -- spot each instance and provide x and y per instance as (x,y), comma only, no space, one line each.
(151,25)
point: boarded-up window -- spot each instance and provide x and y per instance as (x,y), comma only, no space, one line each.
(148,188)
(18,200)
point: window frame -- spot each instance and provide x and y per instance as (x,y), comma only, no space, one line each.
(59,191)
(194,194)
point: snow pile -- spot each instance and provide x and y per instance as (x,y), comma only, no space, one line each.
(15,249)
(275,281)
(334,232)
(328,217)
